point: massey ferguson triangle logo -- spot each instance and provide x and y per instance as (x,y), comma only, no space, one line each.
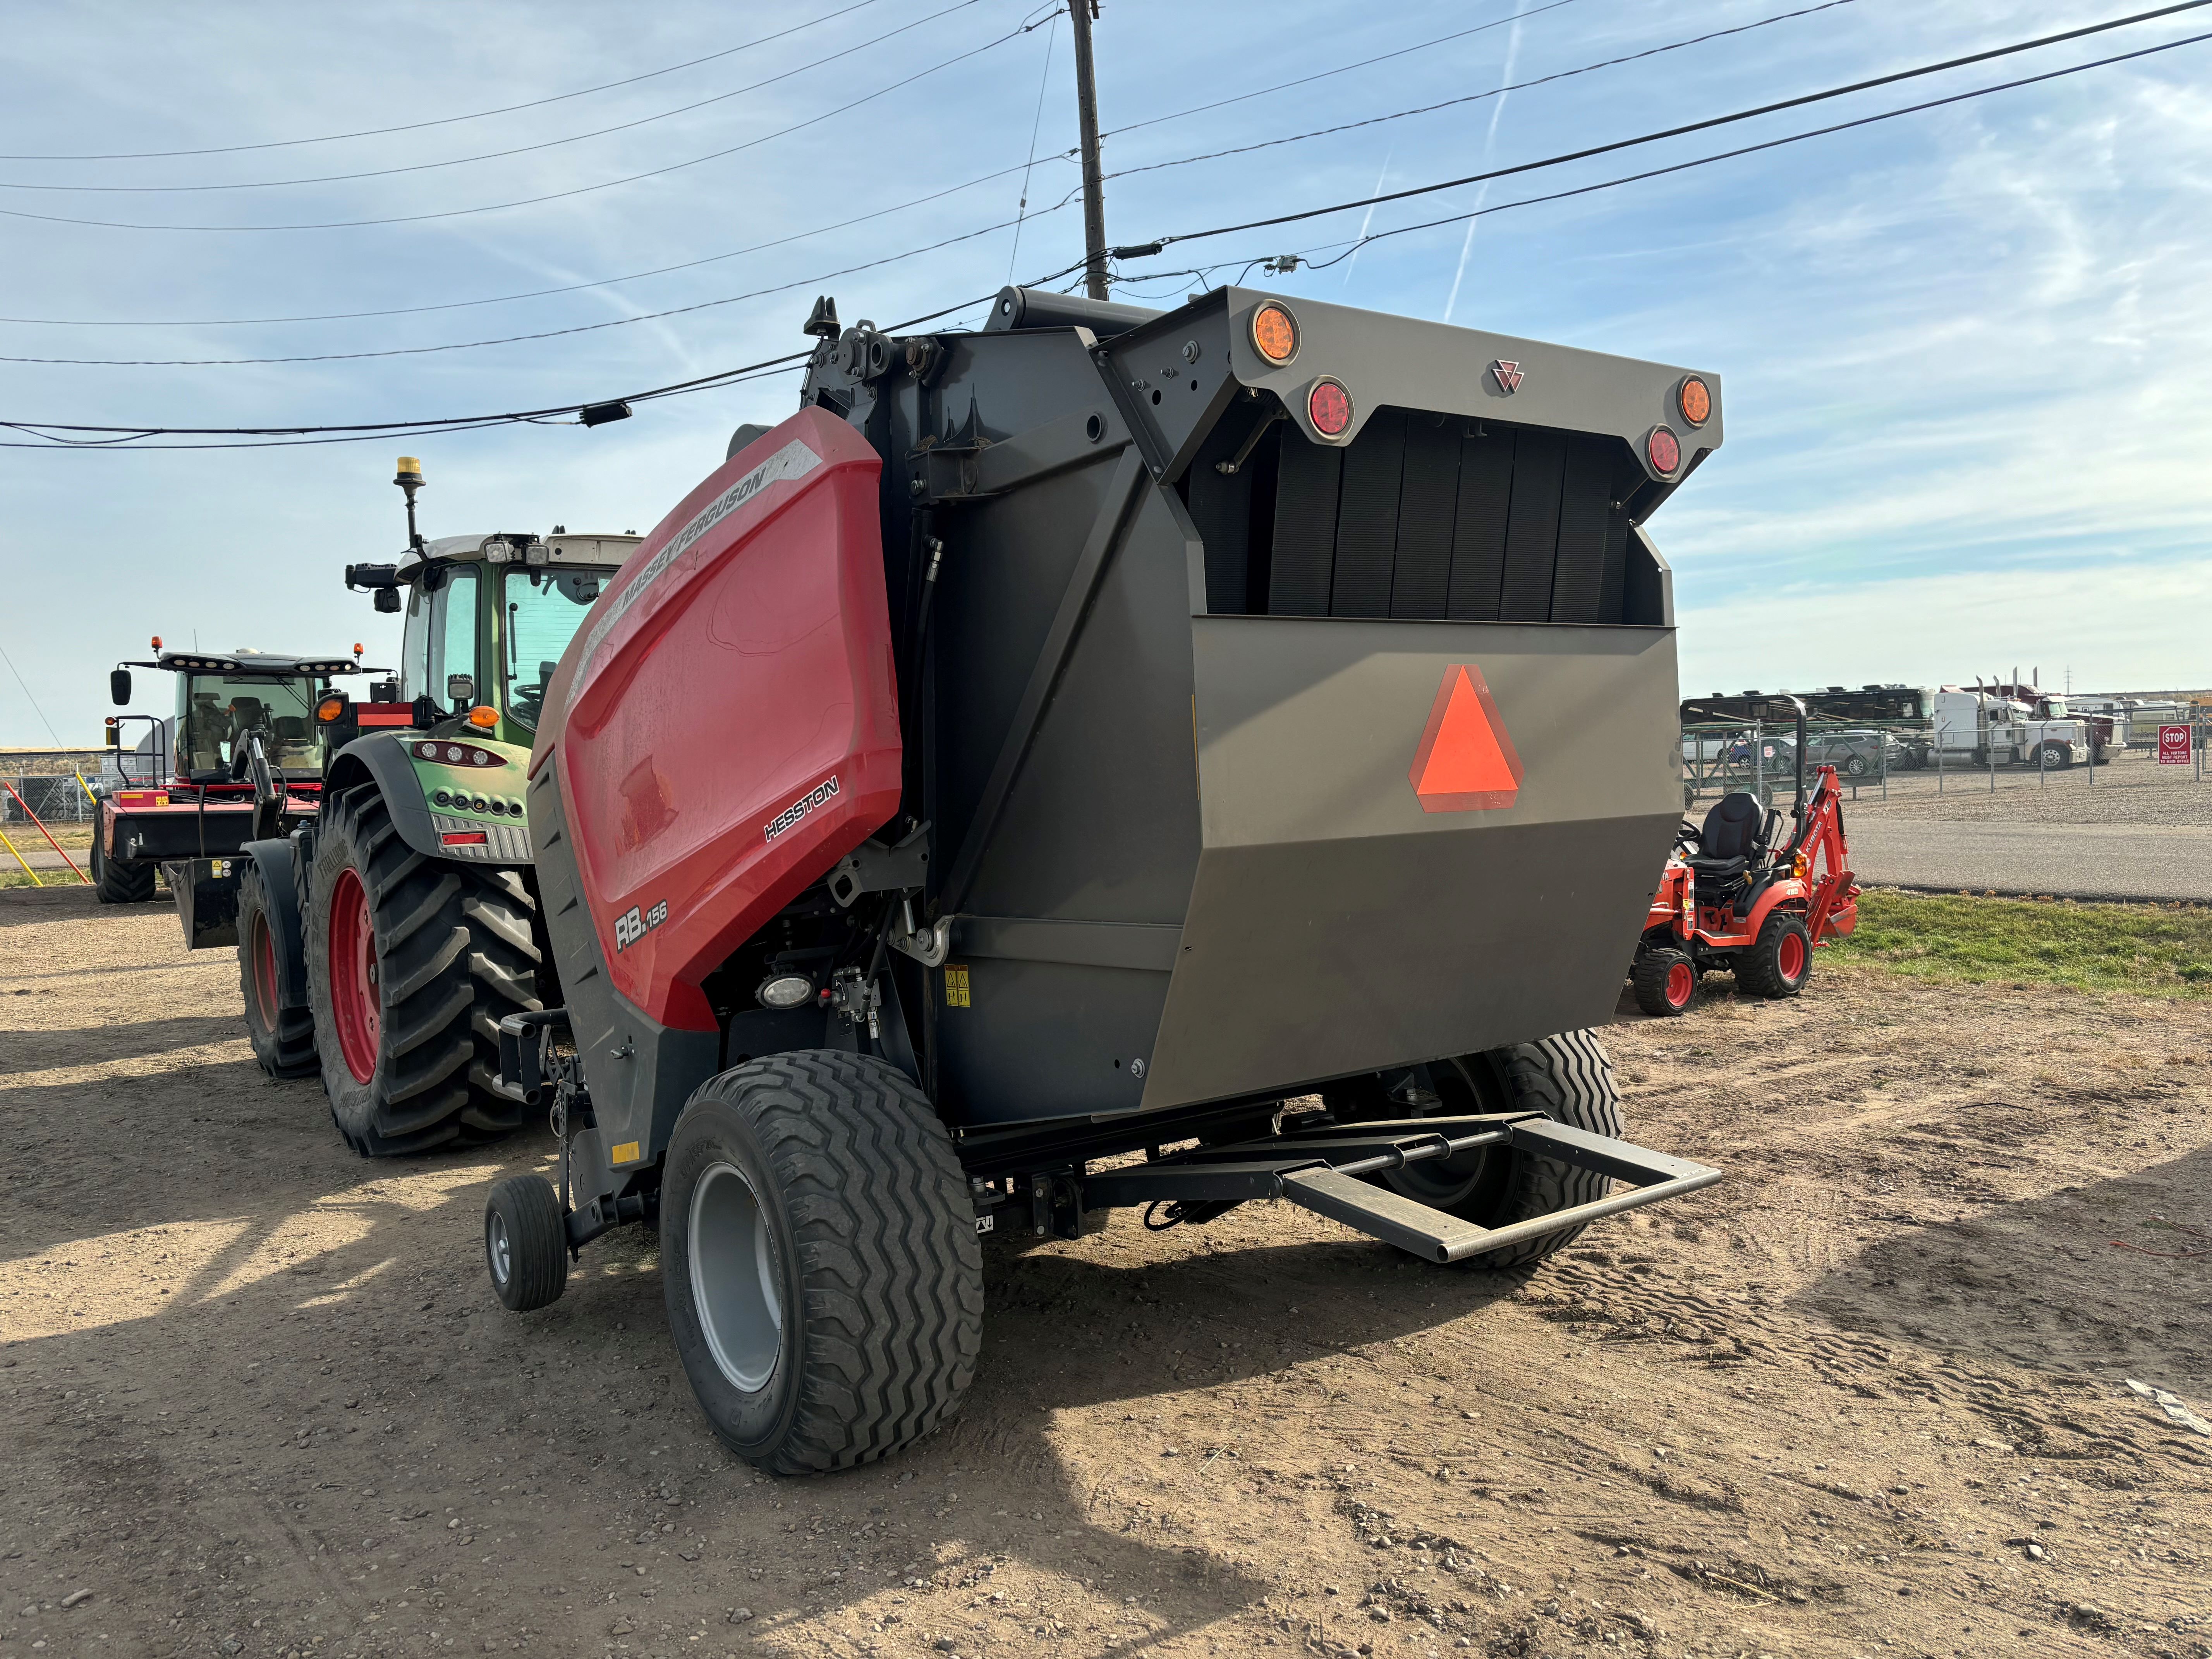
(1467,762)
(1509,375)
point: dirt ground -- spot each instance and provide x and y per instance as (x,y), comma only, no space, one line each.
(1863,1398)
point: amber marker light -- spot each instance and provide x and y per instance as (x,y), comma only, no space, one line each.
(484,716)
(1274,333)
(1664,451)
(329,710)
(1695,399)
(1328,405)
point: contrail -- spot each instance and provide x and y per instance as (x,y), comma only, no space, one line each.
(1489,140)
(1387,157)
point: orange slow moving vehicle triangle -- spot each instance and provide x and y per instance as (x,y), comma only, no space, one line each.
(1467,762)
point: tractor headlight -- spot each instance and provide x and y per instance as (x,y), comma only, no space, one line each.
(786,991)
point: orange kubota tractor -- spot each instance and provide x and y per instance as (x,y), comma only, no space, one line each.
(1735,897)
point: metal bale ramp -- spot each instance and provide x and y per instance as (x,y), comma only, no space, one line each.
(1321,1171)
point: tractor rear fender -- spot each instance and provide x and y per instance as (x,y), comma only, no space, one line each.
(284,877)
(381,758)
(1787,894)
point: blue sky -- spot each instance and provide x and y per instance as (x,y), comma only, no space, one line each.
(1964,352)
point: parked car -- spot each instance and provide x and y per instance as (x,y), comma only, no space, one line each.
(1856,754)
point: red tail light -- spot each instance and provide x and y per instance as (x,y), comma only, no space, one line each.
(1665,451)
(1328,405)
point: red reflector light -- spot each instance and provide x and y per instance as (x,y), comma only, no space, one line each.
(1665,451)
(390,713)
(1328,405)
(465,838)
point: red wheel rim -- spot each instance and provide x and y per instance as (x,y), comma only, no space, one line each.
(1681,983)
(357,1004)
(1791,958)
(264,950)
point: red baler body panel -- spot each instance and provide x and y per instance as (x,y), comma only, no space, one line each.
(728,715)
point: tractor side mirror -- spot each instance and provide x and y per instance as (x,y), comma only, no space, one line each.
(387,600)
(460,689)
(118,687)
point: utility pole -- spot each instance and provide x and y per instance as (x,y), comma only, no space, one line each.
(1094,183)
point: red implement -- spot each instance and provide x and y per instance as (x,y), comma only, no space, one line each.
(733,729)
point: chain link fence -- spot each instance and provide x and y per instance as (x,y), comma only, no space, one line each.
(1901,762)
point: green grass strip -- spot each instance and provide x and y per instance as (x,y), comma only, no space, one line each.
(2148,948)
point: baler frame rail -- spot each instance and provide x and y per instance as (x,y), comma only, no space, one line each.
(1321,1169)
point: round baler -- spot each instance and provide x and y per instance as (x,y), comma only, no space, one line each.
(1110,759)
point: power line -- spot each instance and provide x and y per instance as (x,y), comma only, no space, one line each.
(444,120)
(779,241)
(29,698)
(1477,97)
(1720,120)
(539,334)
(495,154)
(1348,247)
(550,196)
(130,435)
(530,293)
(111,437)
(1341,68)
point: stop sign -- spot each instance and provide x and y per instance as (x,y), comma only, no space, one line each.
(2173,746)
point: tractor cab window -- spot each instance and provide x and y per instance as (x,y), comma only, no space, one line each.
(439,648)
(220,709)
(543,607)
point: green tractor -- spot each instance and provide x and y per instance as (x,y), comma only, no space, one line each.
(382,944)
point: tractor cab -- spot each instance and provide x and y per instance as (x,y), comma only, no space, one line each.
(241,755)
(487,619)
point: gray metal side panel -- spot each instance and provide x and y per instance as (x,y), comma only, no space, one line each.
(636,1095)
(1335,925)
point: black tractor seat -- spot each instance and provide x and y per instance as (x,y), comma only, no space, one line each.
(1733,841)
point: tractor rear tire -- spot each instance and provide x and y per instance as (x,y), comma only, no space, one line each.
(1665,982)
(526,1244)
(128,882)
(284,1038)
(412,962)
(1779,960)
(817,1249)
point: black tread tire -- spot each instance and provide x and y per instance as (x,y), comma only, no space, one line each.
(2057,757)
(1568,1077)
(129,882)
(288,1048)
(874,1232)
(1648,979)
(1758,967)
(457,955)
(528,1210)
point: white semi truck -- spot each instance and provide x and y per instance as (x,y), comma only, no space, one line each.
(1978,727)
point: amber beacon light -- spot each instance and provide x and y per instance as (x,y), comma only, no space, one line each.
(1695,398)
(1274,333)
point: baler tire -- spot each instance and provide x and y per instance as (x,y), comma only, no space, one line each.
(1762,969)
(1569,1078)
(1659,990)
(825,1180)
(526,1244)
(131,882)
(455,939)
(284,1038)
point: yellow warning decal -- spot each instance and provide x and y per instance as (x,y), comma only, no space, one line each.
(956,986)
(627,1152)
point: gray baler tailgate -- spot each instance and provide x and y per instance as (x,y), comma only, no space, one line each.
(1338,923)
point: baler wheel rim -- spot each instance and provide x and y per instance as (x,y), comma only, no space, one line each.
(356,997)
(263,958)
(735,1277)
